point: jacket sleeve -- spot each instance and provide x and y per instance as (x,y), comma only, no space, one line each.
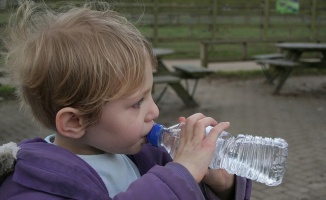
(153,156)
(243,189)
(169,182)
(172,181)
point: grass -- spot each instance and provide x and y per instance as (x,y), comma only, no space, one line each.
(4,16)
(2,60)
(183,32)
(174,37)
(7,92)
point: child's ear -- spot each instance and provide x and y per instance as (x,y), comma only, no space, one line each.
(69,123)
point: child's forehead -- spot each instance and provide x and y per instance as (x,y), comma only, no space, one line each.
(145,86)
(135,95)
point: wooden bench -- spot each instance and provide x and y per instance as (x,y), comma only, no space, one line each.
(174,82)
(173,79)
(166,79)
(278,62)
(268,56)
(265,67)
(313,62)
(282,69)
(192,72)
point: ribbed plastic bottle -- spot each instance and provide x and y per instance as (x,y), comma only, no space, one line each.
(257,158)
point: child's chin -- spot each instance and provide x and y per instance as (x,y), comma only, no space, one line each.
(136,149)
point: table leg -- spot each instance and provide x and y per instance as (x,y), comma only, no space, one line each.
(266,72)
(161,94)
(293,55)
(195,87)
(191,92)
(269,72)
(274,74)
(324,55)
(184,95)
(161,68)
(283,75)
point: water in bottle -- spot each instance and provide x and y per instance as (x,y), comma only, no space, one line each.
(258,158)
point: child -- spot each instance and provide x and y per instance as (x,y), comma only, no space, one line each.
(87,75)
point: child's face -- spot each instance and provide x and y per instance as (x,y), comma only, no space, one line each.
(125,122)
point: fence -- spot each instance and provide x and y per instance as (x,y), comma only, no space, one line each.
(245,45)
(184,24)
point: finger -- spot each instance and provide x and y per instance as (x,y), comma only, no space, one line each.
(190,123)
(216,131)
(182,120)
(200,128)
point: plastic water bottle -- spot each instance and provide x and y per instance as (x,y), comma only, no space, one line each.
(256,158)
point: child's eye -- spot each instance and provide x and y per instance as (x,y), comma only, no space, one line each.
(138,104)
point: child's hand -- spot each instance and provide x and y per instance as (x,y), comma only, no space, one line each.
(221,182)
(196,150)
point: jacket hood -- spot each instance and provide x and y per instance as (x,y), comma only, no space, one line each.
(8,157)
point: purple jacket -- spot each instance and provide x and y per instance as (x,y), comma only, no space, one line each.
(46,171)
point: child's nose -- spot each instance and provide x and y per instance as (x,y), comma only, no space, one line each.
(153,111)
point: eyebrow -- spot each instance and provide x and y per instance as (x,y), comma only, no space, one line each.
(136,94)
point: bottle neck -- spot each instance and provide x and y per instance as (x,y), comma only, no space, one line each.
(154,136)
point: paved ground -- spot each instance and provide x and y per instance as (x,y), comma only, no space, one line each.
(297,115)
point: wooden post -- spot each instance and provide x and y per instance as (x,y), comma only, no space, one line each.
(155,22)
(203,54)
(313,19)
(214,13)
(246,17)
(245,50)
(266,18)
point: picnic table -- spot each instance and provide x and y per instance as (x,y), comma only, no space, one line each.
(164,75)
(280,66)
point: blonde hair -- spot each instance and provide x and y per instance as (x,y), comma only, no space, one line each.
(78,58)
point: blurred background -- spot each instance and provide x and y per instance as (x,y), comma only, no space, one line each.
(230,29)
(212,33)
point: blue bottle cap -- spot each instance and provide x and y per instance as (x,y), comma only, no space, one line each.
(153,135)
